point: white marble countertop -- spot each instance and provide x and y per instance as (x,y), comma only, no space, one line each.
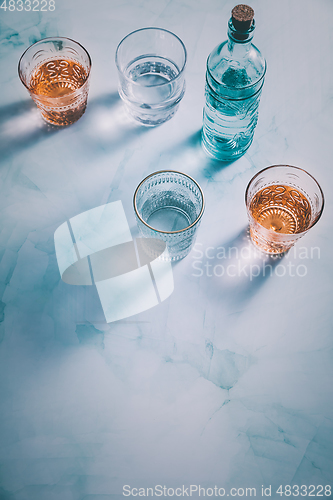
(228,382)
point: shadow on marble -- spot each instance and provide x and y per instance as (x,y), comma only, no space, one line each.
(21,126)
(16,108)
(5,495)
(211,165)
(107,124)
(238,270)
(192,142)
(105,100)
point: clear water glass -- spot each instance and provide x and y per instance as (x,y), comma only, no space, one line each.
(169,206)
(151,64)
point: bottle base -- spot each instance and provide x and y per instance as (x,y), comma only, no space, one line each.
(221,154)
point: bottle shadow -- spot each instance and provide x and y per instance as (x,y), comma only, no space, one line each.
(212,165)
(193,145)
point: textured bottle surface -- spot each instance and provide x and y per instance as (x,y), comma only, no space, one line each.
(234,79)
(228,125)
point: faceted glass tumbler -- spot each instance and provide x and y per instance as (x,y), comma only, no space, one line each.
(56,73)
(169,206)
(151,64)
(283,202)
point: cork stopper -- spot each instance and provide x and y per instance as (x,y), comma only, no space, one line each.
(242,17)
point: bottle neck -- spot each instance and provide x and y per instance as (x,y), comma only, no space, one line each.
(239,41)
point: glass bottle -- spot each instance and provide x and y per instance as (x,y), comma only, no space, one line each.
(234,79)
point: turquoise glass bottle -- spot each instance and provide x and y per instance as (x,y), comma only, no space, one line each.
(234,79)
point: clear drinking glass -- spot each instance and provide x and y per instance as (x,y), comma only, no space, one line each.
(283,203)
(151,64)
(56,73)
(168,206)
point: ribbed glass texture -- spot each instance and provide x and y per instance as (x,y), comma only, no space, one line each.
(234,80)
(169,206)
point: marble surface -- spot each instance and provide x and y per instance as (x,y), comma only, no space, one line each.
(226,383)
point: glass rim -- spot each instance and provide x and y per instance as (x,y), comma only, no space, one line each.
(270,231)
(181,71)
(49,39)
(160,230)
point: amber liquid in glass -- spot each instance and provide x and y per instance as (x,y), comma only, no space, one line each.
(281,208)
(60,78)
